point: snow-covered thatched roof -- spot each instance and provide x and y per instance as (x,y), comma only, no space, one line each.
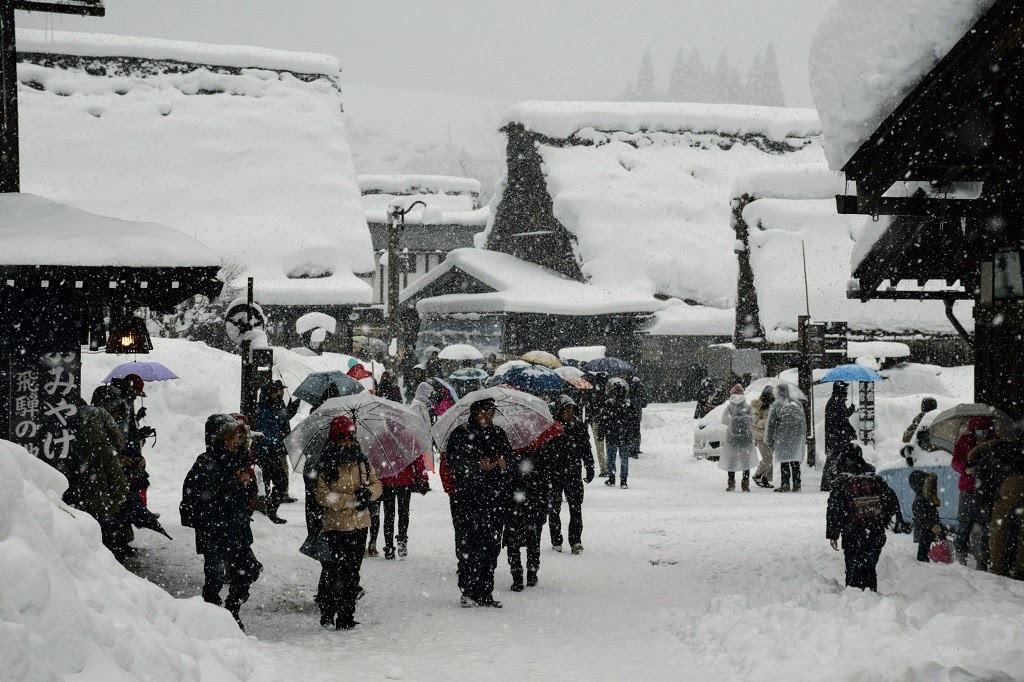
(868,55)
(242,148)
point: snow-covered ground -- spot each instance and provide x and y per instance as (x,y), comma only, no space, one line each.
(679,579)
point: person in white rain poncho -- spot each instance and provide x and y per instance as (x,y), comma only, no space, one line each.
(786,434)
(738,451)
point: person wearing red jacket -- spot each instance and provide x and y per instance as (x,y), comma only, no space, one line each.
(398,490)
(972,509)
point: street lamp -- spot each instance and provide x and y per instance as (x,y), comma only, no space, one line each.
(395,228)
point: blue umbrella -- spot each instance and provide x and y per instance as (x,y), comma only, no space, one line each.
(851,373)
(147,371)
(314,386)
(610,365)
(534,379)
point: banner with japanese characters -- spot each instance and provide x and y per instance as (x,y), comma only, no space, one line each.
(46,393)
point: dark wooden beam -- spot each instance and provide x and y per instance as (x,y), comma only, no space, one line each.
(910,295)
(87,8)
(924,207)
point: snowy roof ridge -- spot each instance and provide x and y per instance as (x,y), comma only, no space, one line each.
(855,89)
(474,218)
(563,119)
(796,181)
(420,184)
(235,56)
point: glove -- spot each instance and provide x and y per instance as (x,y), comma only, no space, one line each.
(363,498)
(141,414)
(422,486)
(147,431)
(590,476)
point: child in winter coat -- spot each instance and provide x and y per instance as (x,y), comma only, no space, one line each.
(925,508)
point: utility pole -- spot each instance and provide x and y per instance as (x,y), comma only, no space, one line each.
(396,225)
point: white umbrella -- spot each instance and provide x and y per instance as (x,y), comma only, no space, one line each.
(569,372)
(460,351)
(522,416)
(506,366)
(948,426)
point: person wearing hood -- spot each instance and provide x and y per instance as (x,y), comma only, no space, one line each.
(972,509)
(412,381)
(387,387)
(217,500)
(786,435)
(860,506)
(838,430)
(638,396)
(345,486)
(927,526)
(738,452)
(619,422)
(766,469)
(478,453)
(526,509)
(564,456)
(273,417)
(927,405)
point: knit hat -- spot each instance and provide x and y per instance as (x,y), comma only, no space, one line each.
(106,396)
(929,404)
(737,390)
(342,427)
(217,427)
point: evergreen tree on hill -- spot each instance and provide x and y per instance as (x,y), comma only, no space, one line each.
(645,88)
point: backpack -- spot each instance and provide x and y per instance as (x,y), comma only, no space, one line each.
(791,415)
(190,507)
(865,501)
(741,428)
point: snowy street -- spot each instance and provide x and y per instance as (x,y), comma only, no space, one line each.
(679,580)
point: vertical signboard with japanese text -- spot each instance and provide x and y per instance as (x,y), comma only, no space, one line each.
(45,394)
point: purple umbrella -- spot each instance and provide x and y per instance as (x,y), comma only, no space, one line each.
(147,371)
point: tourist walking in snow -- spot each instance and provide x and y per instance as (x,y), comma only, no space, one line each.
(972,509)
(618,429)
(1000,467)
(345,487)
(738,451)
(766,469)
(387,387)
(412,380)
(477,455)
(595,402)
(638,396)
(96,482)
(216,500)
(786,436)
(273,419)
(860,505)
(563,456)
(927,527)
(526,511)
(838,430)
(397,493)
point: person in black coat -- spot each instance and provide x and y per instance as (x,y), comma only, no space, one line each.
(860,505)
(638,395)
(564,455)
(217,500)
(618,427)
(477,455)
(526,510)
(927,526)
(838,430)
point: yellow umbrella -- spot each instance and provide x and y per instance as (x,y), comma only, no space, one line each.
(539,357)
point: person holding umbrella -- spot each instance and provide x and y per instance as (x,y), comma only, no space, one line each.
(273,419)
(477,454)
(838,430)
(618,426)
(345,486)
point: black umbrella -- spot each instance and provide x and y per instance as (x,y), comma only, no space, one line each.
(136,513)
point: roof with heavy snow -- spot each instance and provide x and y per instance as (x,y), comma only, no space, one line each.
(242,148)
(868,55)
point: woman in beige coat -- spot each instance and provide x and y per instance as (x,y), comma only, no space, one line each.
(345,487)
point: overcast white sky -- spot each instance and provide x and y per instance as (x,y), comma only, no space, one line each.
(518,49)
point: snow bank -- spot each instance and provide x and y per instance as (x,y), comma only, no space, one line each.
(682,319)
(582,353)
(563,119)
(520,286)
(475,218)
(67,608)
(254,164)
(37,231)
(795,181)
(868,55)
(418,184)
(651,212)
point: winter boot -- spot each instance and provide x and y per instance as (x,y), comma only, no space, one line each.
(623,484)
(531,577)
(372,551)
(466,601)
(403,549)
(961,558)
(796,488)
(745,485)
(389,553)
(275,518)
(346,624)
(233,608)
(517,581)
(488,600)
(732,486)
(577,548)
(327,619)
(783,489)
(557,548)
(611,480)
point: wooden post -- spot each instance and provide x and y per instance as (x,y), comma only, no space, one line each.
(811,339)
(10,173)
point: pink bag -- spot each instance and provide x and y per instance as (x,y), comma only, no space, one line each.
(941,552)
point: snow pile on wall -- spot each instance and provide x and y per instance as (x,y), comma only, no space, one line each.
(681,319)
(829,239)
(867,56)
(37,231)
(253,162)
(67,608)
(520,286)
(651,211)
(450,200)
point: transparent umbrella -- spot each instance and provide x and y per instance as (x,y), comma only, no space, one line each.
(523,417)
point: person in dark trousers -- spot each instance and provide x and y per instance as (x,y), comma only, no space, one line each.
(860,505)
(526,510)
(618,422)
(398,490)
(272,420)
(477,454)
(838,430)
(638,395)
(345,487)
(927,527)
(564,455)
(975,506)
(595,401)
(216,500)
(786,436)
